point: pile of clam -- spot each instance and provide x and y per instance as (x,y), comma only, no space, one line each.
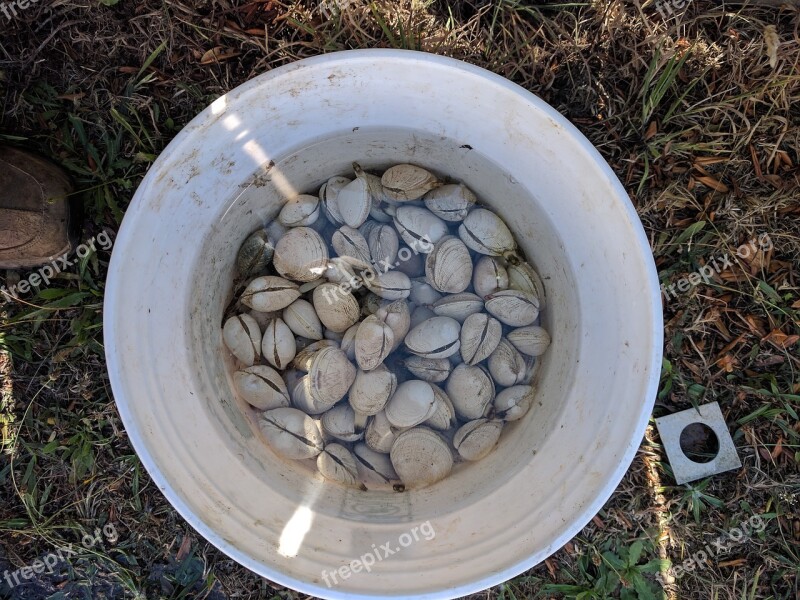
(386,327)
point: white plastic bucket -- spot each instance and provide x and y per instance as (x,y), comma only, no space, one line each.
(170,279)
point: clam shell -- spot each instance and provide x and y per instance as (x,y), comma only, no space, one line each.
(397,316)
(374,468)
(337,463)
(348,343)
(486,233)
(419,315)
(489,276)
(471,390)
(241,335)
(329,194)
(449,267)
(532,340)
(444,418)
(383,245)
(458,306)
(432,370)
(370,304)
(524,277)
(506,364)
(303,400)
(450,202)
(480,335)
(408,182)
(354,202)
(291,433)
(336,307)
(347,241)
(423,293)
(340,422)
(421,457)
(278,345)
(475,439)
(412,403)
(380,434)
(437,337)
(301,254)
(302,210)
(419,228)
(269,293)
(255,253)
(514,402)
(513,307)
(393,285)
(261,387)
(374,342)
(371,390)
(331,375)
(302,319)
(303,358)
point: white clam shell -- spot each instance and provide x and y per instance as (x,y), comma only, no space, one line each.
(480,335)
(354,202)
(380,433)
(471,390)
(348,343)
(513,307)
(525,278)
(393,285)
(303,358)
(371,390)
(421,457)
(419,315)
(302,319)
(412,403)
(374,342)
(489,276)
(302,210)
(450,202)
(458,306)
(514,402)
(532,340)
(397,316)
(437,337)
(269,293)
(423,293)
(448,268)
(278,345)
(255,253)
(337,463)
(261,387)
(408,182)
(291,433)
(331,375)
(329,194)
(383,245)
(432,370)
(301,255)
(506,365)
(374,468)
(336,307)
(486,233)
(444,417)
(340,422)
(303,400)
(241,335)
(419,227)
(347,241)
(475,439)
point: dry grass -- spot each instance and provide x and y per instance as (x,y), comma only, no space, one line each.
(697,119)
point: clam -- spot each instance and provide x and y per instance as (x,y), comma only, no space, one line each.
(486,233)
(337,308)
(374,186)
(419,227)
(448,267)
(489,276)
(291,433)
(370,304)
(393,285)
(270,293)
(241,335)
(471,390)
(524,277)
(373,467)
(397,316)
(412,403)
(480,335)
(423,293)
(261,387)
(433,370)
(374,342)
(255,253)
(513,307)
(513,402)
(337,463)
(329,194)
(301,254)
(506,365)
(347,241)
(354,202)
(371,390)
(383,245)
(444,417)
(278,345)
(331,375)
(348,343)
(532,340)
(450,202)
(303,358)
(419,315)
(340,422)
(408,182)
(421,457)
(475,439)
(380,434)
(303,400)
(299,211)
(458,306)
(437,337)
(302,319)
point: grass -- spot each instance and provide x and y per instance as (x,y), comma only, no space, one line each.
(690,113)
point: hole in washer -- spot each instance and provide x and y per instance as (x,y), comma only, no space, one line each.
(699,443)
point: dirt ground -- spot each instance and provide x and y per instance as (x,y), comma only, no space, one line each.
(694,104)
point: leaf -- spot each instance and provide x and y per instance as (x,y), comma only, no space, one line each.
(635,552)
(772,41)
(218,54)
(690,231)
(109,2)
